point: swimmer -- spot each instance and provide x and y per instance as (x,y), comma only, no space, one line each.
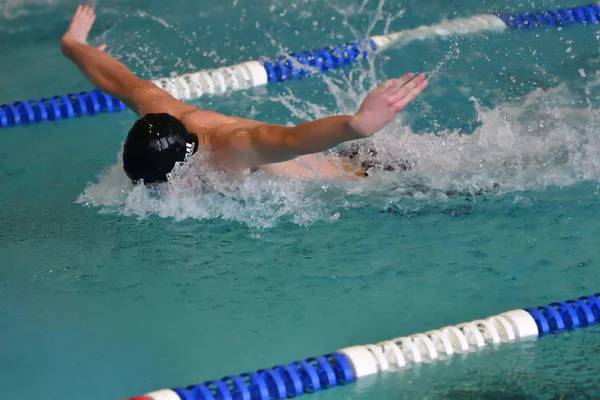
(169,131)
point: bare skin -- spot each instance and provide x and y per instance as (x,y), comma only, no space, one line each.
(238,144)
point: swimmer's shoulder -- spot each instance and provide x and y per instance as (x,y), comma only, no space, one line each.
(211,127)
(206,119)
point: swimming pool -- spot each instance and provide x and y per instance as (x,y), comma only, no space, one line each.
(107,292)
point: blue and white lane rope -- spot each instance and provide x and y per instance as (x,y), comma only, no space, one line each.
(353,363)
(294,66)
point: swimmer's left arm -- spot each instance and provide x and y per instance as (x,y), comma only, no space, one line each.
(251,146)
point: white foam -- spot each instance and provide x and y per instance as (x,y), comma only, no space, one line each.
(197,190)
(545,138)
(542,141)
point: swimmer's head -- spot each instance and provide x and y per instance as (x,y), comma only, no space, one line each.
(154,144)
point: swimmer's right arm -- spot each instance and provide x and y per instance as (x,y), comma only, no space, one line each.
(253,146)
(111,76)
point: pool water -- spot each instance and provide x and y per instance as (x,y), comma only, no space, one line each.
(107,291)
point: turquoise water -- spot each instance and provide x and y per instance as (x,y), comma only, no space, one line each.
(106,292)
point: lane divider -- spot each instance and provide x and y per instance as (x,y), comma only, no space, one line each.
(293,66)
(352,363)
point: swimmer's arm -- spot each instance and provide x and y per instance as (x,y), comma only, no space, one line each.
(112,77)
(251,146)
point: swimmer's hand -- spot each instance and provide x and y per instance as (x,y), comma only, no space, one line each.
(383,103)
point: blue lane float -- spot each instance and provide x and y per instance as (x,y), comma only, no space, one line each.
(281,382)
(588,14)
(300,65)
(293,66)
(566,315)
(59,107)
(353,363)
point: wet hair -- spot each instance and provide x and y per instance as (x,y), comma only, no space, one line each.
(155,143)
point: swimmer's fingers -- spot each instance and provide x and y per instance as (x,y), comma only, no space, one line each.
(393,85)
(410,95)
(396,93)
(87,10)
(84,12)
(102,47)
(400,91)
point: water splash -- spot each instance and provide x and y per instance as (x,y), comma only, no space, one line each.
(546,138)
(539,142)
(197,190)
(13,9)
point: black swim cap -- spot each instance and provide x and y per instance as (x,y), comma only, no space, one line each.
(153,146)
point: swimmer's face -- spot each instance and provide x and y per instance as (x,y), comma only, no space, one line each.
(154,144)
